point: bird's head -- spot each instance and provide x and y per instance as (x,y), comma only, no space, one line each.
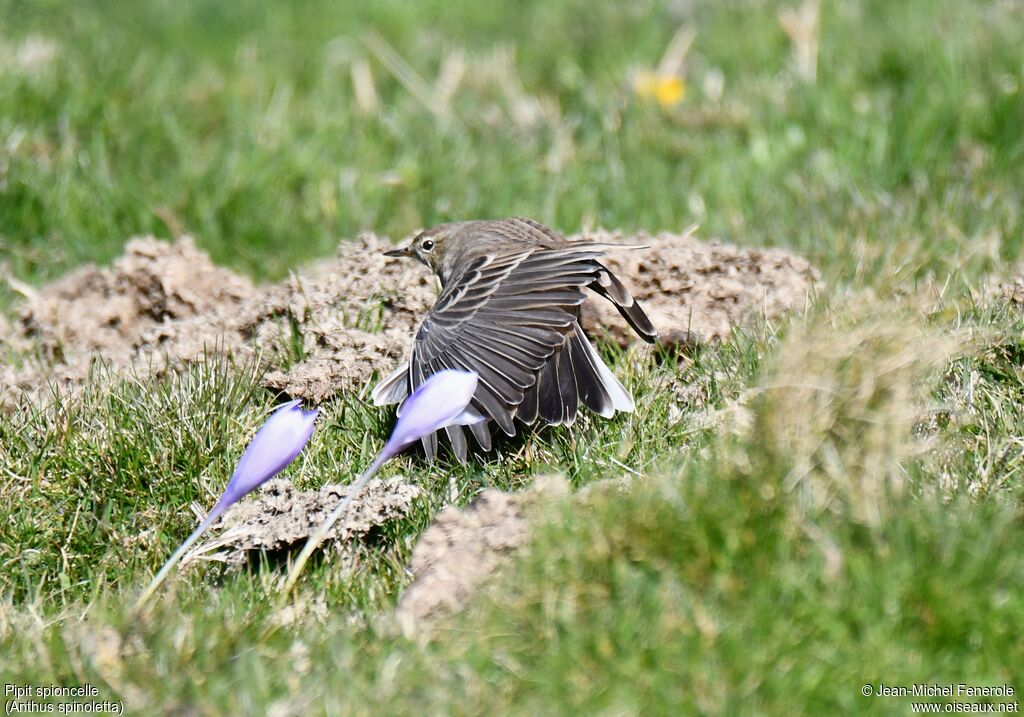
(431,247)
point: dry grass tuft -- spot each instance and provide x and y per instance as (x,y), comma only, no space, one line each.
(840,403)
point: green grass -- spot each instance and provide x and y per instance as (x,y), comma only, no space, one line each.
(823,503)
(240,125)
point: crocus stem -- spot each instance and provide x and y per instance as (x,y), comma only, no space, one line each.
(180,553)
(321,532)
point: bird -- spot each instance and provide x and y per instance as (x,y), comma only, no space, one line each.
(509,310)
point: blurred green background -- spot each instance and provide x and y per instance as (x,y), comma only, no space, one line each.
(239,123)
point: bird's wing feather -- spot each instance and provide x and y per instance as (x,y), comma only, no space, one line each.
(392,389)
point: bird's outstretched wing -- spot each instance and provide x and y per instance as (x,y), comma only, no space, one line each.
(527,231)
(503,317)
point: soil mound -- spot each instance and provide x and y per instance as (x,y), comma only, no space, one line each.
(461,549)
(695,291)
(121,314)
(279,517)
(336,324)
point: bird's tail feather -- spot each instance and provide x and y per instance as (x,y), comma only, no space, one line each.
(616,392)
(573,375)
(609,286)
(393,388)
(482,433)
(459,445)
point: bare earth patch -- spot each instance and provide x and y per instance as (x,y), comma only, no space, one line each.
(337,323)
(279,517)
(1011,290)
(461,548)
(123,314)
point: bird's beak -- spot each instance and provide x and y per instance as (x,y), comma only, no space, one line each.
(399,252)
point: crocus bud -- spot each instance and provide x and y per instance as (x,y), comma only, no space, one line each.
(273,447)
(442,400)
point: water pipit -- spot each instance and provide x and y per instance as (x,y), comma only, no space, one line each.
(509,310)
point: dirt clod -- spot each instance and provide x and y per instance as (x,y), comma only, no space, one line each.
(124,314)
(280,517)
(463,547)
(348,357)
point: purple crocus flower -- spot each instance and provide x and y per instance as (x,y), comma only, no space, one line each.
(274,446)
(442,400)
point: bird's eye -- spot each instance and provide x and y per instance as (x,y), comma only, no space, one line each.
(427,244)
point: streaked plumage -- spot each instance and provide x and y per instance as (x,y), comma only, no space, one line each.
(509,310)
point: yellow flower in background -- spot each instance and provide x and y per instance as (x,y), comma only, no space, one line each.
(665,84)
(667,90)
